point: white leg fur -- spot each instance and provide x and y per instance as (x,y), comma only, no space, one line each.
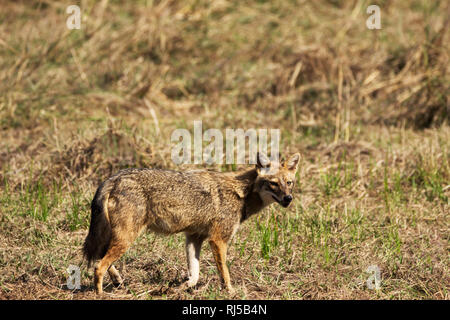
(193,246)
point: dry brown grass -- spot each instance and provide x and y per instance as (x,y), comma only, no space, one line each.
(368,109)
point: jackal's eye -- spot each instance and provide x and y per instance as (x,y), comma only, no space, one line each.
(289,183)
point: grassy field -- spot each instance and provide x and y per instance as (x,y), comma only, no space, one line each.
(368,110)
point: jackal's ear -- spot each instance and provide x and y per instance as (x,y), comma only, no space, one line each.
(262,161)
(292,162)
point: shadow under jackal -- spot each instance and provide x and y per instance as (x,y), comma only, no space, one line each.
(201,203)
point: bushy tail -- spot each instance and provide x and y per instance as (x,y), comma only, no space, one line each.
(99,236)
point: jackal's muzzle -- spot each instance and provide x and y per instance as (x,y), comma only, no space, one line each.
(285,201)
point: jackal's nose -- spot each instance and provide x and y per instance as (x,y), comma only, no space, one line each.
(286,201)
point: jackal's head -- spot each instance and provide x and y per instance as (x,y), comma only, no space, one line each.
(276,181)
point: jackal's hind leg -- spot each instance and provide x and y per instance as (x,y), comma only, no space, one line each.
(193,247)
(115,251)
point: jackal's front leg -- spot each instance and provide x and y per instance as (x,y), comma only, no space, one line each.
(219,249)
(193,247)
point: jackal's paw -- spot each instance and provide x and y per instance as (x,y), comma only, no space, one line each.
(117,284)
(230,290)
(117,281)
(192,282)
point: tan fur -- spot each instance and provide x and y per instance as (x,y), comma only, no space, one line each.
(201,203)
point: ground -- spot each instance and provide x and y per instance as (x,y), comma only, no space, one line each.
(367,109)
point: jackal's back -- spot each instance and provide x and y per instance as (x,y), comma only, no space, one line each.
(169,201)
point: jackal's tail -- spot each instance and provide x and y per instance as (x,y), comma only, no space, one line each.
(97,241)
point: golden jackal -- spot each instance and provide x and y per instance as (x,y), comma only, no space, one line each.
(201,203)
